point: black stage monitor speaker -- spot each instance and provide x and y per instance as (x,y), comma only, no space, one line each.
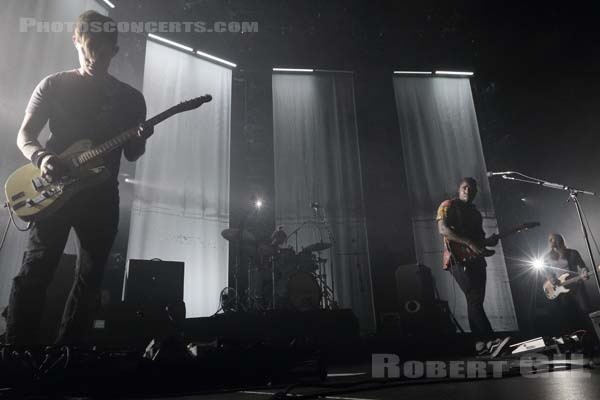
(153,282)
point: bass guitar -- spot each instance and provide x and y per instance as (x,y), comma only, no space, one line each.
(552,291)
(31,196)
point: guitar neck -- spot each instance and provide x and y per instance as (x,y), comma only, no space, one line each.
(120,140)
(573,280)
(508,233)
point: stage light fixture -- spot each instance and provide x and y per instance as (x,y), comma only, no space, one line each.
(258,203)
(459,73)
(293,70)
(413,72)
(172,43)
(228,63)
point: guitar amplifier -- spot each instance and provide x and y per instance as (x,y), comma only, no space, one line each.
(153,282)
(414,285)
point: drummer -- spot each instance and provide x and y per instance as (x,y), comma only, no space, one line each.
(279,237)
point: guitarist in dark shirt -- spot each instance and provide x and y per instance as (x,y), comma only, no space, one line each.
(575,304)
(460,222)
(84,103)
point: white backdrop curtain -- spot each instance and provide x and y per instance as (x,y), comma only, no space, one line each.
(317,160)
(441,144)
(181,200)
(27,57)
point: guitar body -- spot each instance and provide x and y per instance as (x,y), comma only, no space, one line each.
(462,254)
(31,197)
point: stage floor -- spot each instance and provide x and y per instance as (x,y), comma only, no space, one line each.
(558,385)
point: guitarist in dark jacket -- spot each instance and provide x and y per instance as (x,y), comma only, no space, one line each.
(84,103)
(459,222)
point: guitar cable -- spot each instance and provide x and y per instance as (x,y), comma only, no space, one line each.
(11,219)
(4,234)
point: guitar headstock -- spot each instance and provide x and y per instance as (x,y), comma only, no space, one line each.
(528,225)
(192,104)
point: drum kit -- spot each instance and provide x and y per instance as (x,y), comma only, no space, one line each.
(279,276)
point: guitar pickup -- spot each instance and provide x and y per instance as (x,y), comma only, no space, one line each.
(18,205)
(17,196)
(39,183)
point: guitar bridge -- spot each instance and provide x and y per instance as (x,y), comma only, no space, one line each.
(39,182)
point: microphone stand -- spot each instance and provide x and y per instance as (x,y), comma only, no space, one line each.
(573,193)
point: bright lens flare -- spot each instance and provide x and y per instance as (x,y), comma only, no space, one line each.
(258,204)
(537,263)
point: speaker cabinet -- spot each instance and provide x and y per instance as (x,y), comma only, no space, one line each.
(420,312)
(153,282)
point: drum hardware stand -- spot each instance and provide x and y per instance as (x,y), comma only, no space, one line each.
(573,193)
(252,299)
(324,223)
(236,272)
(295,232)
(327,300)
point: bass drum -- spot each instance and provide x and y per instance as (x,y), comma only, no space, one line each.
(303,291)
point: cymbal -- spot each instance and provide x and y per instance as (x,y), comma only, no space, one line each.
(319,246)
(233,235)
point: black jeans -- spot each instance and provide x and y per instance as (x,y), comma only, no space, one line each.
(575,308)
(94,216)
(471,281)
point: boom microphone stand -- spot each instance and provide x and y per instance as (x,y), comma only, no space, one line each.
(573,197)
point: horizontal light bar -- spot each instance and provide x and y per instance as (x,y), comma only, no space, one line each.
(461,73)
(108,3)
(413,72)
(293,70)
(172,43)
(200,53)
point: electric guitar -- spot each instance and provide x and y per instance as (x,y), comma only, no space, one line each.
(462,254)
(31,196)
(552,291)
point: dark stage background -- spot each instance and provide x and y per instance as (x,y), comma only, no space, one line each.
(535,89)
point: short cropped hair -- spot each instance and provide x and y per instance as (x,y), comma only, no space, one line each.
(92,30)
(469,180)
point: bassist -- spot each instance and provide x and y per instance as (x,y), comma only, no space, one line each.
(575,304)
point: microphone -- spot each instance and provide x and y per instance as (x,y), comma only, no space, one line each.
(499,173)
